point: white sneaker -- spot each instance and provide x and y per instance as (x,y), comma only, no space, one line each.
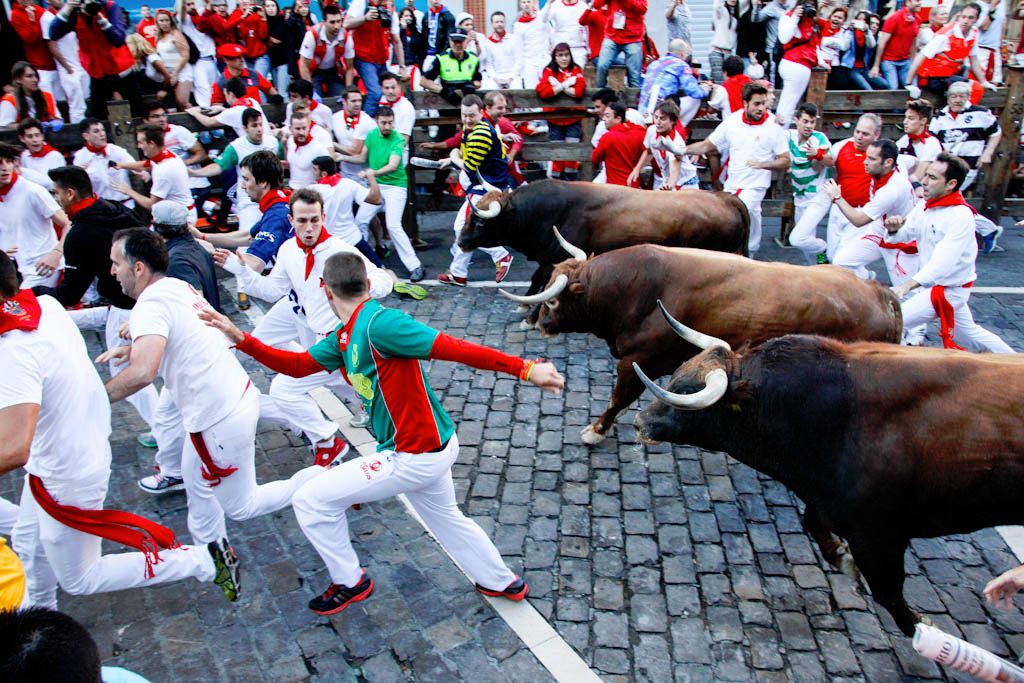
(158,484)
(360,420)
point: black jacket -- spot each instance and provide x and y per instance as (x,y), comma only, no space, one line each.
(87,254)
(445,26)
(191,263)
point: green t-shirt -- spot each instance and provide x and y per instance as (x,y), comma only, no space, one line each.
(380,348)
(379,152)
(240,148)
(806,180)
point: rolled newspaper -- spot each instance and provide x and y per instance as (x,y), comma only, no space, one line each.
(958,654)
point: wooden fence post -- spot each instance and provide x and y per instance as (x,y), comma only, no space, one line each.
(816,87)
(122,127)
(1009,121)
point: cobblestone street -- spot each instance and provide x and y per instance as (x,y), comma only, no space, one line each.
(654,563)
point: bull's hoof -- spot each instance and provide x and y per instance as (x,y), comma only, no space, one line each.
(522,308)
(849,567)
(525,325)
(590,436)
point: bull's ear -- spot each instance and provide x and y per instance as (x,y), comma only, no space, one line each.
(576,288)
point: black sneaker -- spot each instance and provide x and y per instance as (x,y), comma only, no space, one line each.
(226,563)
(337,597)
(517,590)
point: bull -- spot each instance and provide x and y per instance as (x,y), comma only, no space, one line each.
(883,443)
(599,218)
(616,297)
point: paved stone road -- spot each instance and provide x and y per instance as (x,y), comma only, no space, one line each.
(654,563)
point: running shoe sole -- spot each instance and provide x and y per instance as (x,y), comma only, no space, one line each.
(228,576)
(355,598)
(157,492)
(518,595)
(147,442)
(410,290)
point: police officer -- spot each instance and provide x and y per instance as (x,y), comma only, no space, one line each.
(455,73)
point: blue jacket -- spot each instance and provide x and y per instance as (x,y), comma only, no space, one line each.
(270,232)
(666,76)
(848,56)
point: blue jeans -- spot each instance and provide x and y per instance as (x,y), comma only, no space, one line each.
(260,65)
(281,79)
(895,71)
(370,74)
(330,80)
(634,61)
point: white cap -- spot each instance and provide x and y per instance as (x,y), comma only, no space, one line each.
(461,17)
(169,213)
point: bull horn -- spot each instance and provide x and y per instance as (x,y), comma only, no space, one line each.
(488,187)
(715,384)
(573,250)
(491,212)
(698,339)
(550,293)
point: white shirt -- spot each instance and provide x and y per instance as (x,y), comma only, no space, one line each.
(320,113)
(232,117)
(346,136)
(338,201)
(102,173)
(895,198)
(308,46)
(67,45)
(204,41)
(405,115)
(289,275)
(300,162)
(25,214)
(924,150)
(50,160)
(945,243)
(940,43)
(170,182)
(990,37)
(9,111)
(744,142)
(663,156)
(50,367)
(564,22)
(499,59)
(205,379)
(533,42)
(180,140)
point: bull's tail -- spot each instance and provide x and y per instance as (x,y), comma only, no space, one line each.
(744,237)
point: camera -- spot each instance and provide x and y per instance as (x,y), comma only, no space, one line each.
(384,14)
(92,8)
(810,11)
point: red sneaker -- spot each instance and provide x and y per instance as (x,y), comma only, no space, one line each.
(449,279)
(501,267)
(517,590)
(325,455)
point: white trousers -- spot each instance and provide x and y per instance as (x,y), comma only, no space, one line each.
(752,200)
(204,76)
(394,208)
(808,210)
(320,507)
(531,77)
(8,516)
(795,78)
(460,259)
(231,443)
(860,246)
(74,90)
(838,227)
(169,432)
(53,553)
(918,310)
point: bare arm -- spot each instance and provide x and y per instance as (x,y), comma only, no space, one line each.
(645,158)
(143,365)
(206,121)
(780,161)
(990,148)
(359,158)
(305,68)
(883,40)
(374,196)
(17,427)
(702,147)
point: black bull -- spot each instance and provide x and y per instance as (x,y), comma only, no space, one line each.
(883,443)
(599,218)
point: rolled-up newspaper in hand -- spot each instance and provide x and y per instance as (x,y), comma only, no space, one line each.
(958,654)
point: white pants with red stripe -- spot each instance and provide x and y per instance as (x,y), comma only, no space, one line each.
(752,199)
(231,443)
(394,208)
(460,259)
(918,310)
(53,553)
(860,247)
(425,478)
(808,211)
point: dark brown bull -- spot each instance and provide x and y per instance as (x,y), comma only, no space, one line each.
(599,218)
(883,443)
(615,297)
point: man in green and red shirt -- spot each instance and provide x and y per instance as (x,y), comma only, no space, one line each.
(380,350)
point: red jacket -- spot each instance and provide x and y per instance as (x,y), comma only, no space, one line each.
(147,29)
(594,20)
(734,86)
(577,89)
(254,85)
(253,33)
(371,41)
(31,35)
(620,148)
(634,11)
(218,27)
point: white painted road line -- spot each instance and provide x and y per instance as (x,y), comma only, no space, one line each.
(997,290)
(550,649)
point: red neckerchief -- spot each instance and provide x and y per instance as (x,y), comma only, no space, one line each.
(246,102)
(81,204)
(46,149)
(309,139)
(162,155)
(951,199)
(99,151)
(345,333)
(351,121)
(919,138)
(331,180)
(436,11)
(313,105)
(324,236)
(385,102)
(273,197)
(20,312)
(497,40)
(523,19)
(754,123)
(4,189)
(878,184)
(944,309)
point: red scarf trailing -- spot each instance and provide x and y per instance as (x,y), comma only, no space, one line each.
(46,149)
(4,189)
(162,155)
(324,236)
(273,197)
(114,525)
(20,312)
(100,151)
(944,310)
(951,199)
(210,471)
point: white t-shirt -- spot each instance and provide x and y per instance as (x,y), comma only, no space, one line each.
(232,116)
(663,157)
(744,142)
(170,182)
(51,368)
(320,113)
(204,42)
(346,136)
(101,172)
(309,45)
(945,243)
(180,140)
(895,198)
(25,214)
(50,160)
(924,150)
(405,114)
(300,162)
(204,377)
(338,201)
(67,45)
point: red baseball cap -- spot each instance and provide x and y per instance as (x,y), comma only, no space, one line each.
(229,50)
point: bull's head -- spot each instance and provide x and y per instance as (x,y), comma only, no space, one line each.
(564,290)
(697,384)
(486,226)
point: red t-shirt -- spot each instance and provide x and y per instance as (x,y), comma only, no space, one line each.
(620,148)
(734,87)
(902,28)
(854,181)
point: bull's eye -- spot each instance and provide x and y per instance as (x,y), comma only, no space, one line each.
(553,304)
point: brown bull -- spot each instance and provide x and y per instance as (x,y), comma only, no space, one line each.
(615,297)
(883,443)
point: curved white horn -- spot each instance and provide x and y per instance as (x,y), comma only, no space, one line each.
(573,250)
(488,187)
(716,383)
(550,293)
(491,212)
(698,339)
